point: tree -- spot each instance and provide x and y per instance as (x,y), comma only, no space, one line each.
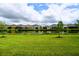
(2,28)
(60,28)
(77,24)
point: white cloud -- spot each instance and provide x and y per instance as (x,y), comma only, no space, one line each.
(39,1)
(60,12)
(20,13)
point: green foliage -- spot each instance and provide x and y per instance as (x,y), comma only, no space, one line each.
(2,27)
(60,26)
(77,23)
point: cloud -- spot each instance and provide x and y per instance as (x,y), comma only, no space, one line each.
(62,12)
(21,13)
(49,19)
(17,12)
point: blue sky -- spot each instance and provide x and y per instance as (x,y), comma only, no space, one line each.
(39,13)
(39,6)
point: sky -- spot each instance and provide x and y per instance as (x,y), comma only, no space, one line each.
(39,13)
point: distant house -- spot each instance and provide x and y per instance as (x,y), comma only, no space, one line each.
(36,27)
(71,28)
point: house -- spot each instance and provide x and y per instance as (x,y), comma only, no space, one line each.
(71,28)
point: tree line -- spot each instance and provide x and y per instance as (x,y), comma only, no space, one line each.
(59,28)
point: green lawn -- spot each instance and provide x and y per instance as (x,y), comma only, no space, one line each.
(39,45)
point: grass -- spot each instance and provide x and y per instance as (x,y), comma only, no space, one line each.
(39,45)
